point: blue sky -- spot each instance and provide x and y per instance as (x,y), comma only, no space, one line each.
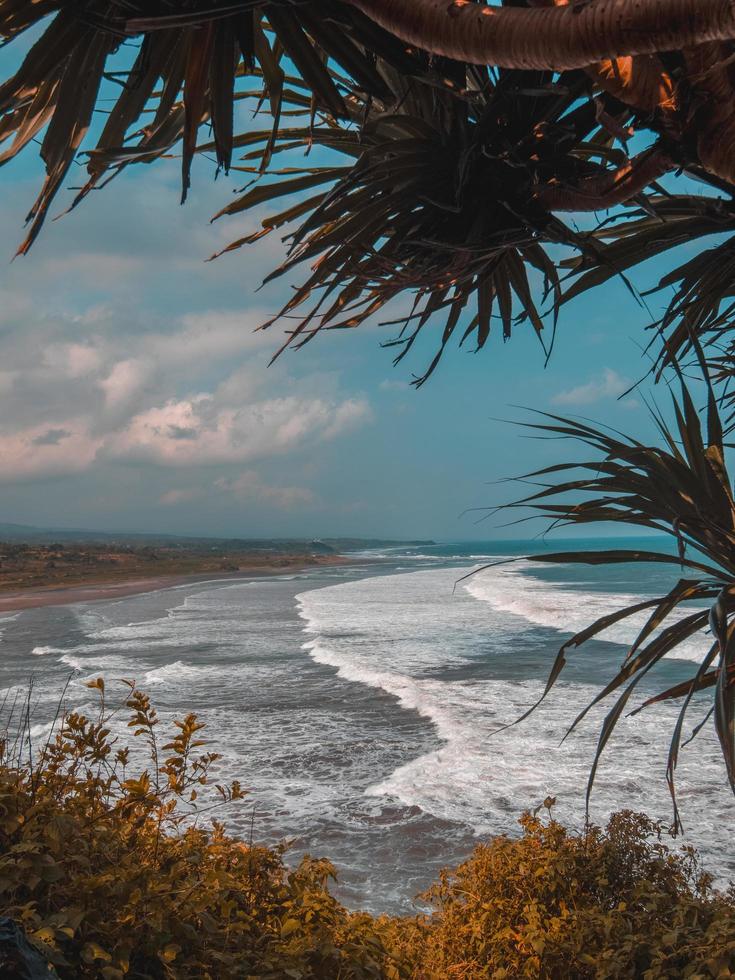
(136,394)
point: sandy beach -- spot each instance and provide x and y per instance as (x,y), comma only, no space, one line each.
(96,590)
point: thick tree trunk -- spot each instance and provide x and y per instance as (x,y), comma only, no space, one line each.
(639,82)
(708,74)
(556,38)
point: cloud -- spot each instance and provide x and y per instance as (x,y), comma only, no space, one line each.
(200,431)
(248,486)
(134,374)
(608,384)
(76,360)
(389,385)
(123,381)
(179,496)
(189,391)
(212,335)
(43,452)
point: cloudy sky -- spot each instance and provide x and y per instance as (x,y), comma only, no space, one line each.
(136,392)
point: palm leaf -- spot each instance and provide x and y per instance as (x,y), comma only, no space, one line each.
(450,162)
(681,488)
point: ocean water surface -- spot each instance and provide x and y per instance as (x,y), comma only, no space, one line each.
(363,705)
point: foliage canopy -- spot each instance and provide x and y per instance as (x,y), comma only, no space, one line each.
(458,170)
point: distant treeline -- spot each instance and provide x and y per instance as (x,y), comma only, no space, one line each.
(26,534)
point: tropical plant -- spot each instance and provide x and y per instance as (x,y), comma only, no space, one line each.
(456,173)
(554,904)
(109,864)
(680,488)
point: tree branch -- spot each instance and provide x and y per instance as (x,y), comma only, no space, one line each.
(556,38)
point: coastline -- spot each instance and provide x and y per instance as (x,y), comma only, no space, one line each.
(97,590)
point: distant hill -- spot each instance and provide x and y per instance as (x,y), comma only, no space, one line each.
(28,534)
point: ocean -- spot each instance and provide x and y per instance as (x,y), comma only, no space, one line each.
(363,705)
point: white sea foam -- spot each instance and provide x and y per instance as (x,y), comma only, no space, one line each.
(325,753)
(511,590)
(407,635)
(412,694)
(5,621)
(41,731)
(177,673)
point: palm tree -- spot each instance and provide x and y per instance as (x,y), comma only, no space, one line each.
(489,159)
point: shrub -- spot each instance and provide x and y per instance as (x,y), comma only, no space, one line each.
(111,877)
(107,864)
(555,905)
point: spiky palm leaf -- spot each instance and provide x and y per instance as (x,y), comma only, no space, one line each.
(681,488)
(450,197)
(185,74)
(483,159)
(702,306)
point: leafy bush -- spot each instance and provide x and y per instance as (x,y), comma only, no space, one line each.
(111,877)
(554,905)
(106,863)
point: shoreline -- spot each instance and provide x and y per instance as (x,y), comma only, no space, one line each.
(97,590)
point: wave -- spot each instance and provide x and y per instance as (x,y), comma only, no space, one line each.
(41,731)
(176,672)
(511,590)
(412,694)
(5,621)
(407,634)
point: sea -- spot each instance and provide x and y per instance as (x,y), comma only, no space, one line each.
(369,708)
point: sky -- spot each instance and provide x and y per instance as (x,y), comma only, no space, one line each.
(136,393)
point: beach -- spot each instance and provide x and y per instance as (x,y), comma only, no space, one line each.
(97,590)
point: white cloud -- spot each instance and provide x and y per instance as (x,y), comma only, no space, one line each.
(193,392)
(179,496)
(199,431)
(123,381)
(79,359)
(126,348)
(212,335)
(44,451)
(608,384)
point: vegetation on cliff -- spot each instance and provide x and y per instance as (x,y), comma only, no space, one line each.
(110,861)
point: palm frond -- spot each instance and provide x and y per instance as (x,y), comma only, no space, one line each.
(185,74)
(455,175)
(443,200)
(681,488)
